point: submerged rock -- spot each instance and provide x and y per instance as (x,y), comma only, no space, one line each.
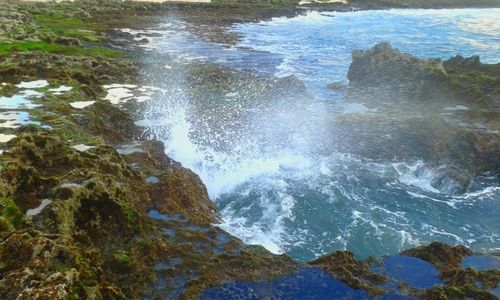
(451,180)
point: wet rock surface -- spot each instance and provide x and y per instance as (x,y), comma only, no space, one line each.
(91,209)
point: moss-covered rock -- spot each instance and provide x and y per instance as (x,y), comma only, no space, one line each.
(357,274)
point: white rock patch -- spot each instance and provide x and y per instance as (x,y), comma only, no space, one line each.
(60,90)
(456,108)
(305,2)
(118,95)
(71,185)
(4,138)
(121,93)
(32,84)
(81,104)
(117,85)
(35,211)
(82,147)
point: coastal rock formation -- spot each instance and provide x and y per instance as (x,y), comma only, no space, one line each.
(457,79)
(383,65)
(459,283)
(90,209)
(439,112)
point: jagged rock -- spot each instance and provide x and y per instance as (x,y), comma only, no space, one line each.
(357,274)
(388,69)
(386,66)
(82,69)
(108,121)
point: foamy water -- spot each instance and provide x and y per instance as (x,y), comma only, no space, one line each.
(277,181)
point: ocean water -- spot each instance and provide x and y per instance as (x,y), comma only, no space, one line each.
(282,184)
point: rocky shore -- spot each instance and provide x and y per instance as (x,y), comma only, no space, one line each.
(444,110)
(90,208)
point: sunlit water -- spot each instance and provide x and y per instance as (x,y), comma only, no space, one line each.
(280,184)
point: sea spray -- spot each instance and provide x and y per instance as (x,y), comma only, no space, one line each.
(273,169)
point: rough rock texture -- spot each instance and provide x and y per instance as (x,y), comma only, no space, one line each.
(90,212)
(355,273)
(440,112)
(384,65)
(88,71)
(458,283)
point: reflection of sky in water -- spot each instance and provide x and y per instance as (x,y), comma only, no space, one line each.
(480,262)
(412,271)
(10,118)
(20,100)
(308,283)
(14,119)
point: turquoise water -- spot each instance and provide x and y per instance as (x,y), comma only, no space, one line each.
(283,185)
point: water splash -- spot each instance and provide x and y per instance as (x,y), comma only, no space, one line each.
(270,165)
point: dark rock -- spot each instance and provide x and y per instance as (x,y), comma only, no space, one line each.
(337,86)
(386,66)
(451,180)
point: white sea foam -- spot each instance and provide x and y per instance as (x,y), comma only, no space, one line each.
(451,203)
(487,192)
(416,174)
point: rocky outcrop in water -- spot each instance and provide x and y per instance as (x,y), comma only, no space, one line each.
(355,273)
(383,65)
(443,112)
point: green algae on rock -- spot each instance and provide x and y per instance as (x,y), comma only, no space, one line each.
(357,274)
